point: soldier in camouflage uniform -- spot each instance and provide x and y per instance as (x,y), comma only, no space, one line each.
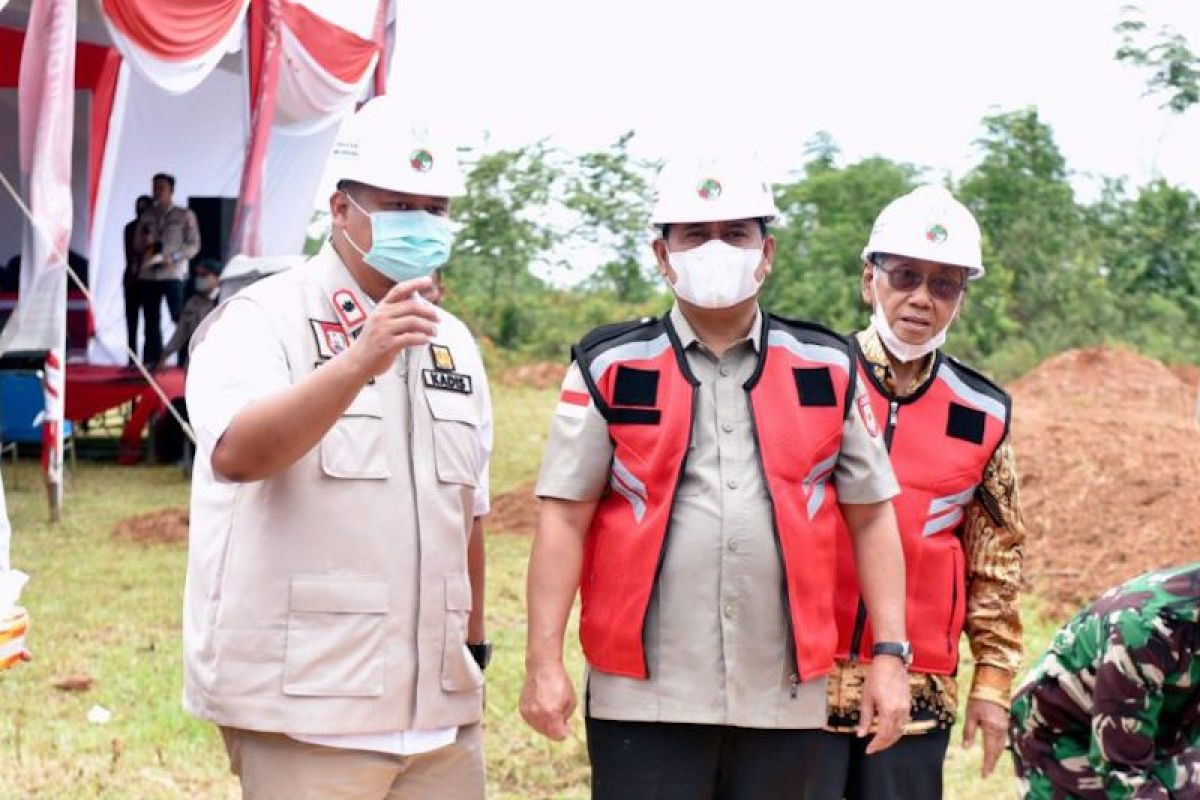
(1113,710)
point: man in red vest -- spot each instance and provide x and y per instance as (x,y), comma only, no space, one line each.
(947,430)
(697,473)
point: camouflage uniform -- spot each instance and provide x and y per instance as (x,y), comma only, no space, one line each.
(1112,711)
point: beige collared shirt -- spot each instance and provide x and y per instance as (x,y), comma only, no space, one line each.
(716,629)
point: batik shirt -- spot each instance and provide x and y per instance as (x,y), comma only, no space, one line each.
(993,535)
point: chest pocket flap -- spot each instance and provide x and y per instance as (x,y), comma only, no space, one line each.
(356,446)
(458,450)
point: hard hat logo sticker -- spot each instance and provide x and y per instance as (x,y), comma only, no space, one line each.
(709,189)
(936,234)
(421,160)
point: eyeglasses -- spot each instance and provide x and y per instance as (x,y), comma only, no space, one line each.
(904,278)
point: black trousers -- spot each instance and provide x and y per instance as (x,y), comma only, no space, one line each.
(133,307)
(151,295)
(911,769)
(672,761)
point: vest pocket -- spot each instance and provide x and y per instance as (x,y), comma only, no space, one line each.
(459,671)
(334,642)
(355,447)
(457,449)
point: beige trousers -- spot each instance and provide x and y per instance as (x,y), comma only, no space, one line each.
(272,766)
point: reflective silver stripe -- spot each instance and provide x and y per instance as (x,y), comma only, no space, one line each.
(979,400)
(815,482)
(819,353)
(639,507)
(940,504)
(938,524)
(946,512)
(630,351)
(629,479)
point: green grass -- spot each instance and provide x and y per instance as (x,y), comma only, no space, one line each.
(111,609)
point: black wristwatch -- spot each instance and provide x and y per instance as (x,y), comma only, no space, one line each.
(901,650)
(482,653)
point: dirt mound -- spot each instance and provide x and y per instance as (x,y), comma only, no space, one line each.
(168,526)
(538,375)
(514,512)
(1109,455)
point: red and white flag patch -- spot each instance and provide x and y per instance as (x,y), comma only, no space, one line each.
(867,414)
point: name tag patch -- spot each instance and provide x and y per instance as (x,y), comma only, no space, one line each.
(449,381)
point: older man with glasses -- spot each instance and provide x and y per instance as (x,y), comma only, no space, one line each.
(946,428)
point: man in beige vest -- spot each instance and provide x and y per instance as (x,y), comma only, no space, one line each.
(333,619)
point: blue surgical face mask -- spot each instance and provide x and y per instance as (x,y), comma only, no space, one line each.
(405,244)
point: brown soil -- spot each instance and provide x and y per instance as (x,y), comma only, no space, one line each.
(1109,455)
(514,512)
(539,375)
(167,526)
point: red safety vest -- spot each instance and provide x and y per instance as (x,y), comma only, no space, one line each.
(940,439)
(799,395)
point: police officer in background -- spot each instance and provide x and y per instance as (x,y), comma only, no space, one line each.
(333,623)
(697,470)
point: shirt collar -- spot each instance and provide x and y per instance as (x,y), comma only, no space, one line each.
(687,334)
(876,355)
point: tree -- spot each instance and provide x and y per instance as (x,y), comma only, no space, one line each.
(610,191)
(1174,68)
(826,219)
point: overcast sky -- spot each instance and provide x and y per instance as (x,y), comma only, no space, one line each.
(908,80)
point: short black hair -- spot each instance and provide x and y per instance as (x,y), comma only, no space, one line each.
(143,200)
(762,227)
(209,265)
(162,176)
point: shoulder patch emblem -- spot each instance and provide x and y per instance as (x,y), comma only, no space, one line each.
(330,337)
(867,414)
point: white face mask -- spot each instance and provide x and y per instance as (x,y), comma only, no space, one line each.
(716,274)
(900,349)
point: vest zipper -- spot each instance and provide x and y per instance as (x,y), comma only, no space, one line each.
(860,619)
(953,603)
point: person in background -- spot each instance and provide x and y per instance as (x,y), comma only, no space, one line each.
(133,263)
(946,428)
(167,236)
(1112,710)
(198,306)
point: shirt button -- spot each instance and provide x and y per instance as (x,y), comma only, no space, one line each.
(733,545)
(727,427)
(731,483)
(728,610)
(724,370)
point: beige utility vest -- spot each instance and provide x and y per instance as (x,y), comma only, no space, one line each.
(333,597)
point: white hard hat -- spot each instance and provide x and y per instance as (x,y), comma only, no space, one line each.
(711,191)
(383,146)
(929,224)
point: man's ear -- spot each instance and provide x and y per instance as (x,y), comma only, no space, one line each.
(662,256)
(868,284)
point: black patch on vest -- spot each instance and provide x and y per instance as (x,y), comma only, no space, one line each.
(965,423)
(634,416)
(635,387)
(815,386)
(449,381)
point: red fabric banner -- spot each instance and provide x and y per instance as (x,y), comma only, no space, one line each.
(266,19)
(341,53)
(178,30)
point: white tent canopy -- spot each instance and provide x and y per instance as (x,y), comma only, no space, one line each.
(183,101)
